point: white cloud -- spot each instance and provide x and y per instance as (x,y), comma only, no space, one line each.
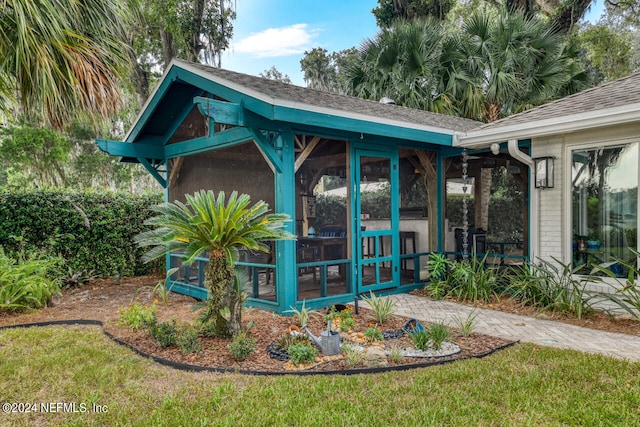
(273,42)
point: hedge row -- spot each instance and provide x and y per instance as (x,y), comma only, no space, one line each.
(90,230)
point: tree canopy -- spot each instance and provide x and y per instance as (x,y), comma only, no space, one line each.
(61,58)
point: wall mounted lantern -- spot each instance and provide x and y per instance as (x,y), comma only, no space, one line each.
(543,172)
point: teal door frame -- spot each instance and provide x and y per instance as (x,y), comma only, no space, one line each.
(377,260)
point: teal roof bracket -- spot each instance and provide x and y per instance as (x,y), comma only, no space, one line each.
(154,172)
(227,113)
(269,150)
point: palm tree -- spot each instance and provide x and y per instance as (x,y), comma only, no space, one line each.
(410,63)
(220,227)
(61,58)
(514,61)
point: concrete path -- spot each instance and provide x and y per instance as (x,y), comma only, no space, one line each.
(521,328)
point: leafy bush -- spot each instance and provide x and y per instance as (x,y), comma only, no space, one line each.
(303,314)
(26,283)
(165,332)
(554,287)
(382,307)
(353,355)
(420,338)
(242,345)
(467,325)
(137,316)
(302,353)
(187,340)
(473,280)
(373,334)
(343,320)
(438,333)
(89,230)
(287,340)
(395,354)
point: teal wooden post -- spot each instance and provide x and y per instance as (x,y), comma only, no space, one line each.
(285,202)
(440,195)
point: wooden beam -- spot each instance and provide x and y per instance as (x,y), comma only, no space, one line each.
(174,171)
(307,150)
(227,138)
(129,149)
(220,111)
(268,151)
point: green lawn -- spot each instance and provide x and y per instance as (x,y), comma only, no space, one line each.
(522,385)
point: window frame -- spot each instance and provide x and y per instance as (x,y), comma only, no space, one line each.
(567,192)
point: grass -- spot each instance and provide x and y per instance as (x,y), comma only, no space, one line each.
(522,385)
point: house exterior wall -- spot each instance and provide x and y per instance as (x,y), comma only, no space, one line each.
(554,207)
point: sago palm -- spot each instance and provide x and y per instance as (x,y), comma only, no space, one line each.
(217,226)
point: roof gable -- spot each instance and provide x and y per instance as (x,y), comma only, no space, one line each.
(288,103)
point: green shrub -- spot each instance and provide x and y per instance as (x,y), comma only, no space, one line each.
(473,280)
(187,340)
(165,332)
(302,353)
(303,314)
(373,334)
(353,355)
(395,354)
(467,325)
(26,283)
(556,287)
(287,340)
(242,345)
(137,316)
(438,333)
(420,338)
(382,306)
(343,319)
(89,230)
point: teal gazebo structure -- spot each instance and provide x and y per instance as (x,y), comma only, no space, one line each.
(363,180)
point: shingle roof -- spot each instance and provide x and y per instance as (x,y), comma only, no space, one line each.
(617,93)
(280,92)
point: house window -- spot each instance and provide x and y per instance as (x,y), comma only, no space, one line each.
(604,206)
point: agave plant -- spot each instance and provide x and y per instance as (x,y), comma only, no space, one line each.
(219,227)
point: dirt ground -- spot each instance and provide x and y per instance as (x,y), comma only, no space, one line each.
(102,299)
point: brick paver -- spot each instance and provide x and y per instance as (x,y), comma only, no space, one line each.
(520,328)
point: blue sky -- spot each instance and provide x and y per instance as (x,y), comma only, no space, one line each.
(277,32)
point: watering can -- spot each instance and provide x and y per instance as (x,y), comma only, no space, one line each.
(329,341)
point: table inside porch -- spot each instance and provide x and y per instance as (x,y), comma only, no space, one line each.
(324,242)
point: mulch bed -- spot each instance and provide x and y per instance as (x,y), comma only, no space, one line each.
(101,300)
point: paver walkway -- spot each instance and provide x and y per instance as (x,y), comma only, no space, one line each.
(520,328)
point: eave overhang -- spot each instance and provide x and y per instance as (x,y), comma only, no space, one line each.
(482,138)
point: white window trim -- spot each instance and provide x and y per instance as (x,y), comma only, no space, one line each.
(608,284)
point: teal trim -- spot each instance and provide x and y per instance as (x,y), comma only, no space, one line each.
(268,150)
(154,172)
(127,149)
(293,115)
(358,151)
(262,304)
(285,202)
(221,112)
(186,289)
(226,138)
